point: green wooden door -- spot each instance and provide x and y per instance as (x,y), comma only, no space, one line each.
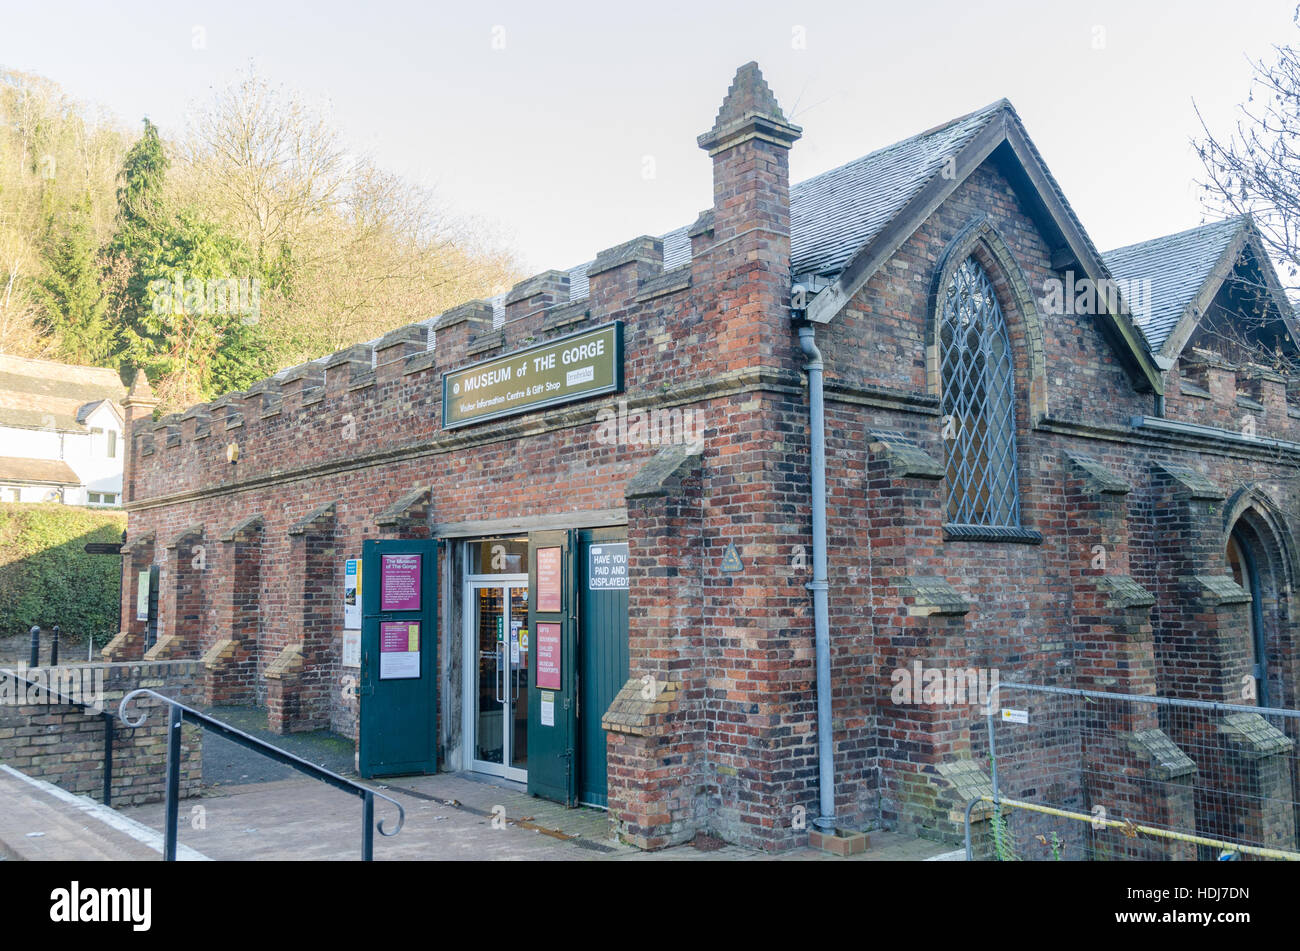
(398,692)
(602,649)
(552,664)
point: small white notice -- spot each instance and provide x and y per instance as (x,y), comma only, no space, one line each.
(548,709)
(580,375)
(351,648)
(1015,716)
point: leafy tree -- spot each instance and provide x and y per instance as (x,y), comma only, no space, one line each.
(197,331)
(73,305)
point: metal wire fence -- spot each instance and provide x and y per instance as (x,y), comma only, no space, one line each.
(1088,775)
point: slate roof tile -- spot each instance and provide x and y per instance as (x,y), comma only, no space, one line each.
(1177,265)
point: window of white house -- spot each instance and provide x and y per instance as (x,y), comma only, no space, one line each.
(94,498)
(112,444)
(10,494)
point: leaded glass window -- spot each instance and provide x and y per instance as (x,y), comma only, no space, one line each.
(979,403)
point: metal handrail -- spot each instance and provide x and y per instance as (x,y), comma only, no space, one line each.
(1214,705)
(179,712)
(98,709)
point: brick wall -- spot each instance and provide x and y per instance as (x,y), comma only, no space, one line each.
(1106,594)
(64,744)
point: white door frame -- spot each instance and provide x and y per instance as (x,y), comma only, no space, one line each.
(469,692)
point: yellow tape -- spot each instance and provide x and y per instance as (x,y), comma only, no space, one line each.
(1149,830)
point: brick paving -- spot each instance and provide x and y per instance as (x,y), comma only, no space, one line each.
(448,817)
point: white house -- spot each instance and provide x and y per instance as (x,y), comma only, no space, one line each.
(60,433)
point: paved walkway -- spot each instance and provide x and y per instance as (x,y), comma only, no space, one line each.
(448,817)
(41,822)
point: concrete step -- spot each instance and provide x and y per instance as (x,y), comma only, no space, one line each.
(40,822)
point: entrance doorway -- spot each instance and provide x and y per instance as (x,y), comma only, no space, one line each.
(545,639)
(1245,571)
(499,618)
(497,647)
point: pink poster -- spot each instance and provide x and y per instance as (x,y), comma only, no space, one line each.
(549,597)
(399,650)
(548,656)
(399,583)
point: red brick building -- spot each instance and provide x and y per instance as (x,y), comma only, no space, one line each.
(996,415)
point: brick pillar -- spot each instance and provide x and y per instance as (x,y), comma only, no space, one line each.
(654,726)
(928,771)
(760,767)
(138,405)
(749,259)
(1131,768)
(299,680)
(230,664)
(180,601)
(137,556)
(1203,652)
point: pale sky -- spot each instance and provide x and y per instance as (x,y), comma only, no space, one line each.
(571,126)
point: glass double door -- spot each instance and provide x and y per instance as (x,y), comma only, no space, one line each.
(497,629)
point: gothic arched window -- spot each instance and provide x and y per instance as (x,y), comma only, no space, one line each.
(979,405)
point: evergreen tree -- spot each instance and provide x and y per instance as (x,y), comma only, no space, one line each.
(189,303)
(74,309)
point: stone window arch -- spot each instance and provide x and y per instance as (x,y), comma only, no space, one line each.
(978,401)
(1260,555)
(986,369)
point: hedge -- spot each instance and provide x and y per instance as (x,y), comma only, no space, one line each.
(47,578)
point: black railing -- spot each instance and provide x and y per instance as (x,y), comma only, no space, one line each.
(178,713)
(90,707)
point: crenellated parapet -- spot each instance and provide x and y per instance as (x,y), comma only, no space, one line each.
(327,408)
(1245,398)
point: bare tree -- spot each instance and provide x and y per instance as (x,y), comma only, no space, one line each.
(349,249)
(1255,170)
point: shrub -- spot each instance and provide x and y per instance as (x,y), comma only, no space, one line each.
(47,578)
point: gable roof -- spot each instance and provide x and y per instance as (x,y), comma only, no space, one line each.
(43,471)
(835,213)
(1185,271)
(42,394)
(852,219)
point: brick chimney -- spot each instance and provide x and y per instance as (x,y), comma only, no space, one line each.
(749,254)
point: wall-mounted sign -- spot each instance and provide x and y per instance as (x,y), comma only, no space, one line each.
(352,594)
(548,656)
(548,709)
(550,595)
(569,368)
(399,583)
(351,649)
(399,650)
(607,567)
(142,596)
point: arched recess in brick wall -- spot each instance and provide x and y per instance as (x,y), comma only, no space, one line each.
(1261,553)
(982,240)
